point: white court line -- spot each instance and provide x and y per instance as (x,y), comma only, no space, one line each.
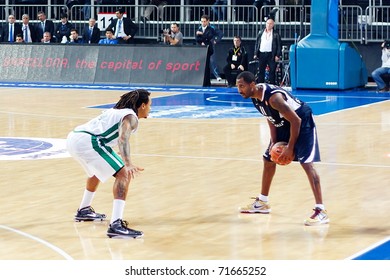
(45,243)
(260,160)
(353,108)
(214,99)
(369,248)
(43,115)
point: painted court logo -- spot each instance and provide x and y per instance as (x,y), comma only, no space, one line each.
(19,148)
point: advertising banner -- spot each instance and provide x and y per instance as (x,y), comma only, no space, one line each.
(103,64)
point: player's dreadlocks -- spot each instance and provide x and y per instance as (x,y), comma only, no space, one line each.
(133,99)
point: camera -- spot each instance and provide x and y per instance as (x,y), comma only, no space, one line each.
(387,45)
(166,31)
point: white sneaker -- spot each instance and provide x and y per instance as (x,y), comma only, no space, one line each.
(258,206)
(319,217)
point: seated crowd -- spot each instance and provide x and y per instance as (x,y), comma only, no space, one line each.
(121,30)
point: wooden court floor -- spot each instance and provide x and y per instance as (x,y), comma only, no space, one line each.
(197,174)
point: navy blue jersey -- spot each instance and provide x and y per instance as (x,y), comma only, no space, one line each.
(270,113)
(306,148)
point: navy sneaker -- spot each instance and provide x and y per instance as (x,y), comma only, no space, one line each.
(88,214)
(119,229)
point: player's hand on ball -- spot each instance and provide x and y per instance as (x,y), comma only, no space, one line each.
(280,155)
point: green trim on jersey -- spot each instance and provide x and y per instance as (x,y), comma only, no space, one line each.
(107,153)
(111,133)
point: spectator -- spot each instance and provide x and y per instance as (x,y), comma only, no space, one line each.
(268,50)
(193,8)
(237,61)
(19,38)
(29,33)
(87,8)
(218,35)
(63,29)
(47,39)
(44,25)
(266,11)
(149,10)
(219,10)
(173,37)
(109,40)
(74,37)
(91,34)
(10,30)
(124,28)
(204,37)
(384,69)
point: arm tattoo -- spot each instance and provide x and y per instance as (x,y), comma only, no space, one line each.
(128,124)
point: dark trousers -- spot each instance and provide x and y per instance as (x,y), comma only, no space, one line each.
(231,75)
(266,58)
(207,76)
(121,41)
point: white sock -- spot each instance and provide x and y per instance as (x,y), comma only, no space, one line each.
(263,197)
(87,199)
(118,206)
(321,206)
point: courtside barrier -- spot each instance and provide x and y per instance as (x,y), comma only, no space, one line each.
(103,64)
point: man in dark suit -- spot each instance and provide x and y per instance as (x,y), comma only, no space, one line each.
(91,33)
(124,28)
(63,29)
(205,37)
(74,37)
(10,30)
(268,50)
(44,25)
(29,33)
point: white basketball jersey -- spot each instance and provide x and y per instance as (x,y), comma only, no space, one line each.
(106,125)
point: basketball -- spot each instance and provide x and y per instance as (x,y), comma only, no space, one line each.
(276,150)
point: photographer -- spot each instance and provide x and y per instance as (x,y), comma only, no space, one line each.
(173,36)
(384,69)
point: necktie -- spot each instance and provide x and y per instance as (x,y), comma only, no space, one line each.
(119,27)
(25,35)
(43,26)
(11,33)
(90,33)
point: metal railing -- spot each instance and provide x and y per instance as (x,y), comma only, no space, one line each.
(355,24)
(376,24)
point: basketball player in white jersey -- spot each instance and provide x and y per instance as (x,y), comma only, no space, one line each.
(91,145)
(290,120)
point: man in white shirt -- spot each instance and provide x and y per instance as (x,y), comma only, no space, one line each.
(10,30)
(28,29)
(268,50)
(124,28)
(384,69)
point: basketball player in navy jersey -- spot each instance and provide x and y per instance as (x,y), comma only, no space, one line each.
(289,120)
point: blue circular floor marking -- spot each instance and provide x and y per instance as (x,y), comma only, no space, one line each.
(220,103)
(23,148)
